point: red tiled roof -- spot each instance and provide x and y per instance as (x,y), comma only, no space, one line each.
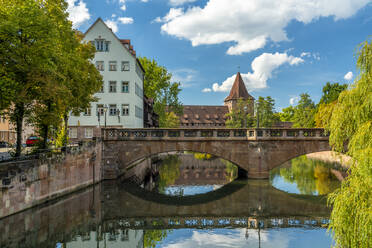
(204,115)
(238,90)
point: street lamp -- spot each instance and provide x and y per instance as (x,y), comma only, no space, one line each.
(105,111)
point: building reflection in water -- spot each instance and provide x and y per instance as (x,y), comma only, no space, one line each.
(122,214)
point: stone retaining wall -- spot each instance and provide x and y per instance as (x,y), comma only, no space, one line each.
(24,184)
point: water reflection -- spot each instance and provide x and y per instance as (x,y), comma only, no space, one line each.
(241,213)
(190,173)
(306,176)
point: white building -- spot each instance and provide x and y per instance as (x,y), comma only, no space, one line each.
(121,96)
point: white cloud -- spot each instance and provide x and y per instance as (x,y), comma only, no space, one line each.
(123,5)
(173,13)
(207,90)
(348,76)
(305,54)
(126,20)
(231,238)
(113,25)
(78,12)
(180,2)
(294,100)
(250,24)
(262,66)
(185,76)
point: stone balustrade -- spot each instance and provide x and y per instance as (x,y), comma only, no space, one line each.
(216,134)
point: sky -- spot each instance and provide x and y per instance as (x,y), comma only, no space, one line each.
(281,48)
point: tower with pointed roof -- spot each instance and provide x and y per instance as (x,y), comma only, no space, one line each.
(239,91)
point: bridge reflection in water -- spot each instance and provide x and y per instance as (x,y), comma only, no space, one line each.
(112,208)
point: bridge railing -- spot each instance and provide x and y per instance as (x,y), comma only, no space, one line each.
(214,134)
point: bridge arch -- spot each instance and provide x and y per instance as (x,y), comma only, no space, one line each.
(254,154)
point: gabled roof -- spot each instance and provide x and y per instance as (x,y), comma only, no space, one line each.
(238,90)
(124,42)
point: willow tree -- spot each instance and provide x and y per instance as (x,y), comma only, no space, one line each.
(351,130)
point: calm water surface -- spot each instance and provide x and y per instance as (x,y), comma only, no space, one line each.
(186,200)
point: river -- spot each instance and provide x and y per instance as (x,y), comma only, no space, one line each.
(186,200)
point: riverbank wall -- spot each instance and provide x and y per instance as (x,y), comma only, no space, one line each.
(27,183)
(331,157)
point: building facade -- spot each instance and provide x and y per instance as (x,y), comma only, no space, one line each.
(121,98)
(200,116)
(6,133)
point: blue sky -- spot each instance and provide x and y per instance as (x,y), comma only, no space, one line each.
(283,48)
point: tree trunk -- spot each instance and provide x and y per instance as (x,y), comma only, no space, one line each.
(19,112)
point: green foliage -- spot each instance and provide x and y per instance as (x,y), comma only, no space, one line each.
(287,114)
(239,116)
(202,156)
(152,237)
(331,92)
(171,120)
(351,125)
(304,112)
(158,85)
(231,170)
(266,113)
(311,176)
(45,70)
(169,171)
(327,103)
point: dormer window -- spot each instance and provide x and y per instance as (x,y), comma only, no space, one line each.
(101,45)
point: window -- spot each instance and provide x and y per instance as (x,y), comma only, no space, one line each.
(139,112)
(138,90)
(125,87)
(125,66)
(88,112)
(72,133)
(88,132)
(125,109)
(112,86)
(100,110)
(112,109)
(112,65)
(101,45)
(100,65)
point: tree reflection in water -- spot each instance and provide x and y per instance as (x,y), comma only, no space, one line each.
(312,177)
(169,171)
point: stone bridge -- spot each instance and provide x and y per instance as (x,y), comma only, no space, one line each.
(257,151)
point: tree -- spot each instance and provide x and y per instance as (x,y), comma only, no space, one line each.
(331,92)
(327,103)
(29,40)
(351,126)
(172,120)
(287,114)
(239,117)
(266,112)
(304,112)
(45,70)
(158,85)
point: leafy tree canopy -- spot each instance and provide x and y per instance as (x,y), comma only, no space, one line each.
(266,111)
(304,112)
(239,117)
(158,85)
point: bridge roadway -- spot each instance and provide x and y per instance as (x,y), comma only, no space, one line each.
(257,151)
(113,206)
